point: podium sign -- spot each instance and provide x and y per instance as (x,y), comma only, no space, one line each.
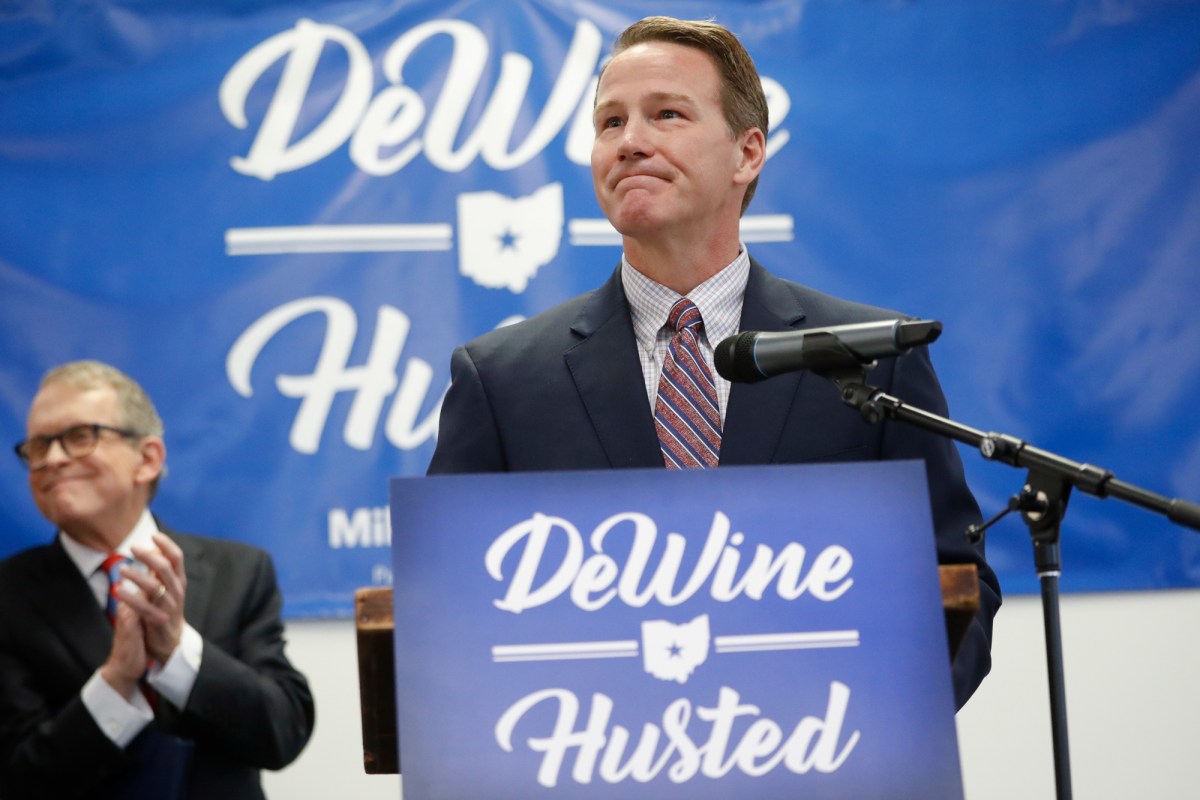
(767,632)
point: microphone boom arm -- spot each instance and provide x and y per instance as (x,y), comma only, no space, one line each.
(874,405)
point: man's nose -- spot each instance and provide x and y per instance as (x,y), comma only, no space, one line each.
(55,454)
(636,141)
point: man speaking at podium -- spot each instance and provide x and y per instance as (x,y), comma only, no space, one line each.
(623,376)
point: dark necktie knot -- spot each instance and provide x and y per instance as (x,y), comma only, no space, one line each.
(684,316)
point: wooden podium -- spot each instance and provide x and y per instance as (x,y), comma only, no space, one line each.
(373,623)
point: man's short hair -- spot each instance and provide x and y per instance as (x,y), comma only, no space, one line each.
(135,410)
(742,99)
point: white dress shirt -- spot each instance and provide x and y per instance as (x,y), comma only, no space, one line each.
(121,719)
(720,302)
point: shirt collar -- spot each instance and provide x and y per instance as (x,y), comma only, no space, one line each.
(87,560)
(719,299)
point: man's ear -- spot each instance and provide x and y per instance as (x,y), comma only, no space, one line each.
(154,458)
(753,154)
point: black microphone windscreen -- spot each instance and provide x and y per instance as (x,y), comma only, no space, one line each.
(911,333)
(734,359)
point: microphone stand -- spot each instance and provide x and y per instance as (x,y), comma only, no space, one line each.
(1042,502)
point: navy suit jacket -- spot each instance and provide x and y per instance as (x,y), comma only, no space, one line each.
(249,708)
(564,390)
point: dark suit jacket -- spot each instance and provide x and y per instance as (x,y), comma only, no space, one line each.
(564,390)
(249,708)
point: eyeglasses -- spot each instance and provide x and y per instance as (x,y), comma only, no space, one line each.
(77,441)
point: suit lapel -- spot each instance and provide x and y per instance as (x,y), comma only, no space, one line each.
(757,412)
(199,572)
(607,375)
(68,608)
(605,367)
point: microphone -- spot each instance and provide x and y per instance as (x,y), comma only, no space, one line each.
(752,356)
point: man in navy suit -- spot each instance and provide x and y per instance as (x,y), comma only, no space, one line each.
(187,691)
(680,139)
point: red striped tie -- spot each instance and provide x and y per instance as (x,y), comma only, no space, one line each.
(686,412)
(112,569)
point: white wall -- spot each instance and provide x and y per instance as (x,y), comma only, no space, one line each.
(332,764)
(1133,701)
(1132,665)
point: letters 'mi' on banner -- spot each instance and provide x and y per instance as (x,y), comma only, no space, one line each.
(706,633)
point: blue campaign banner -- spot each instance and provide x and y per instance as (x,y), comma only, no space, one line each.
(282,216)
(747,632)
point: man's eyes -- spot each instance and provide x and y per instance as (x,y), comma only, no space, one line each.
(82,433)
(616,122)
